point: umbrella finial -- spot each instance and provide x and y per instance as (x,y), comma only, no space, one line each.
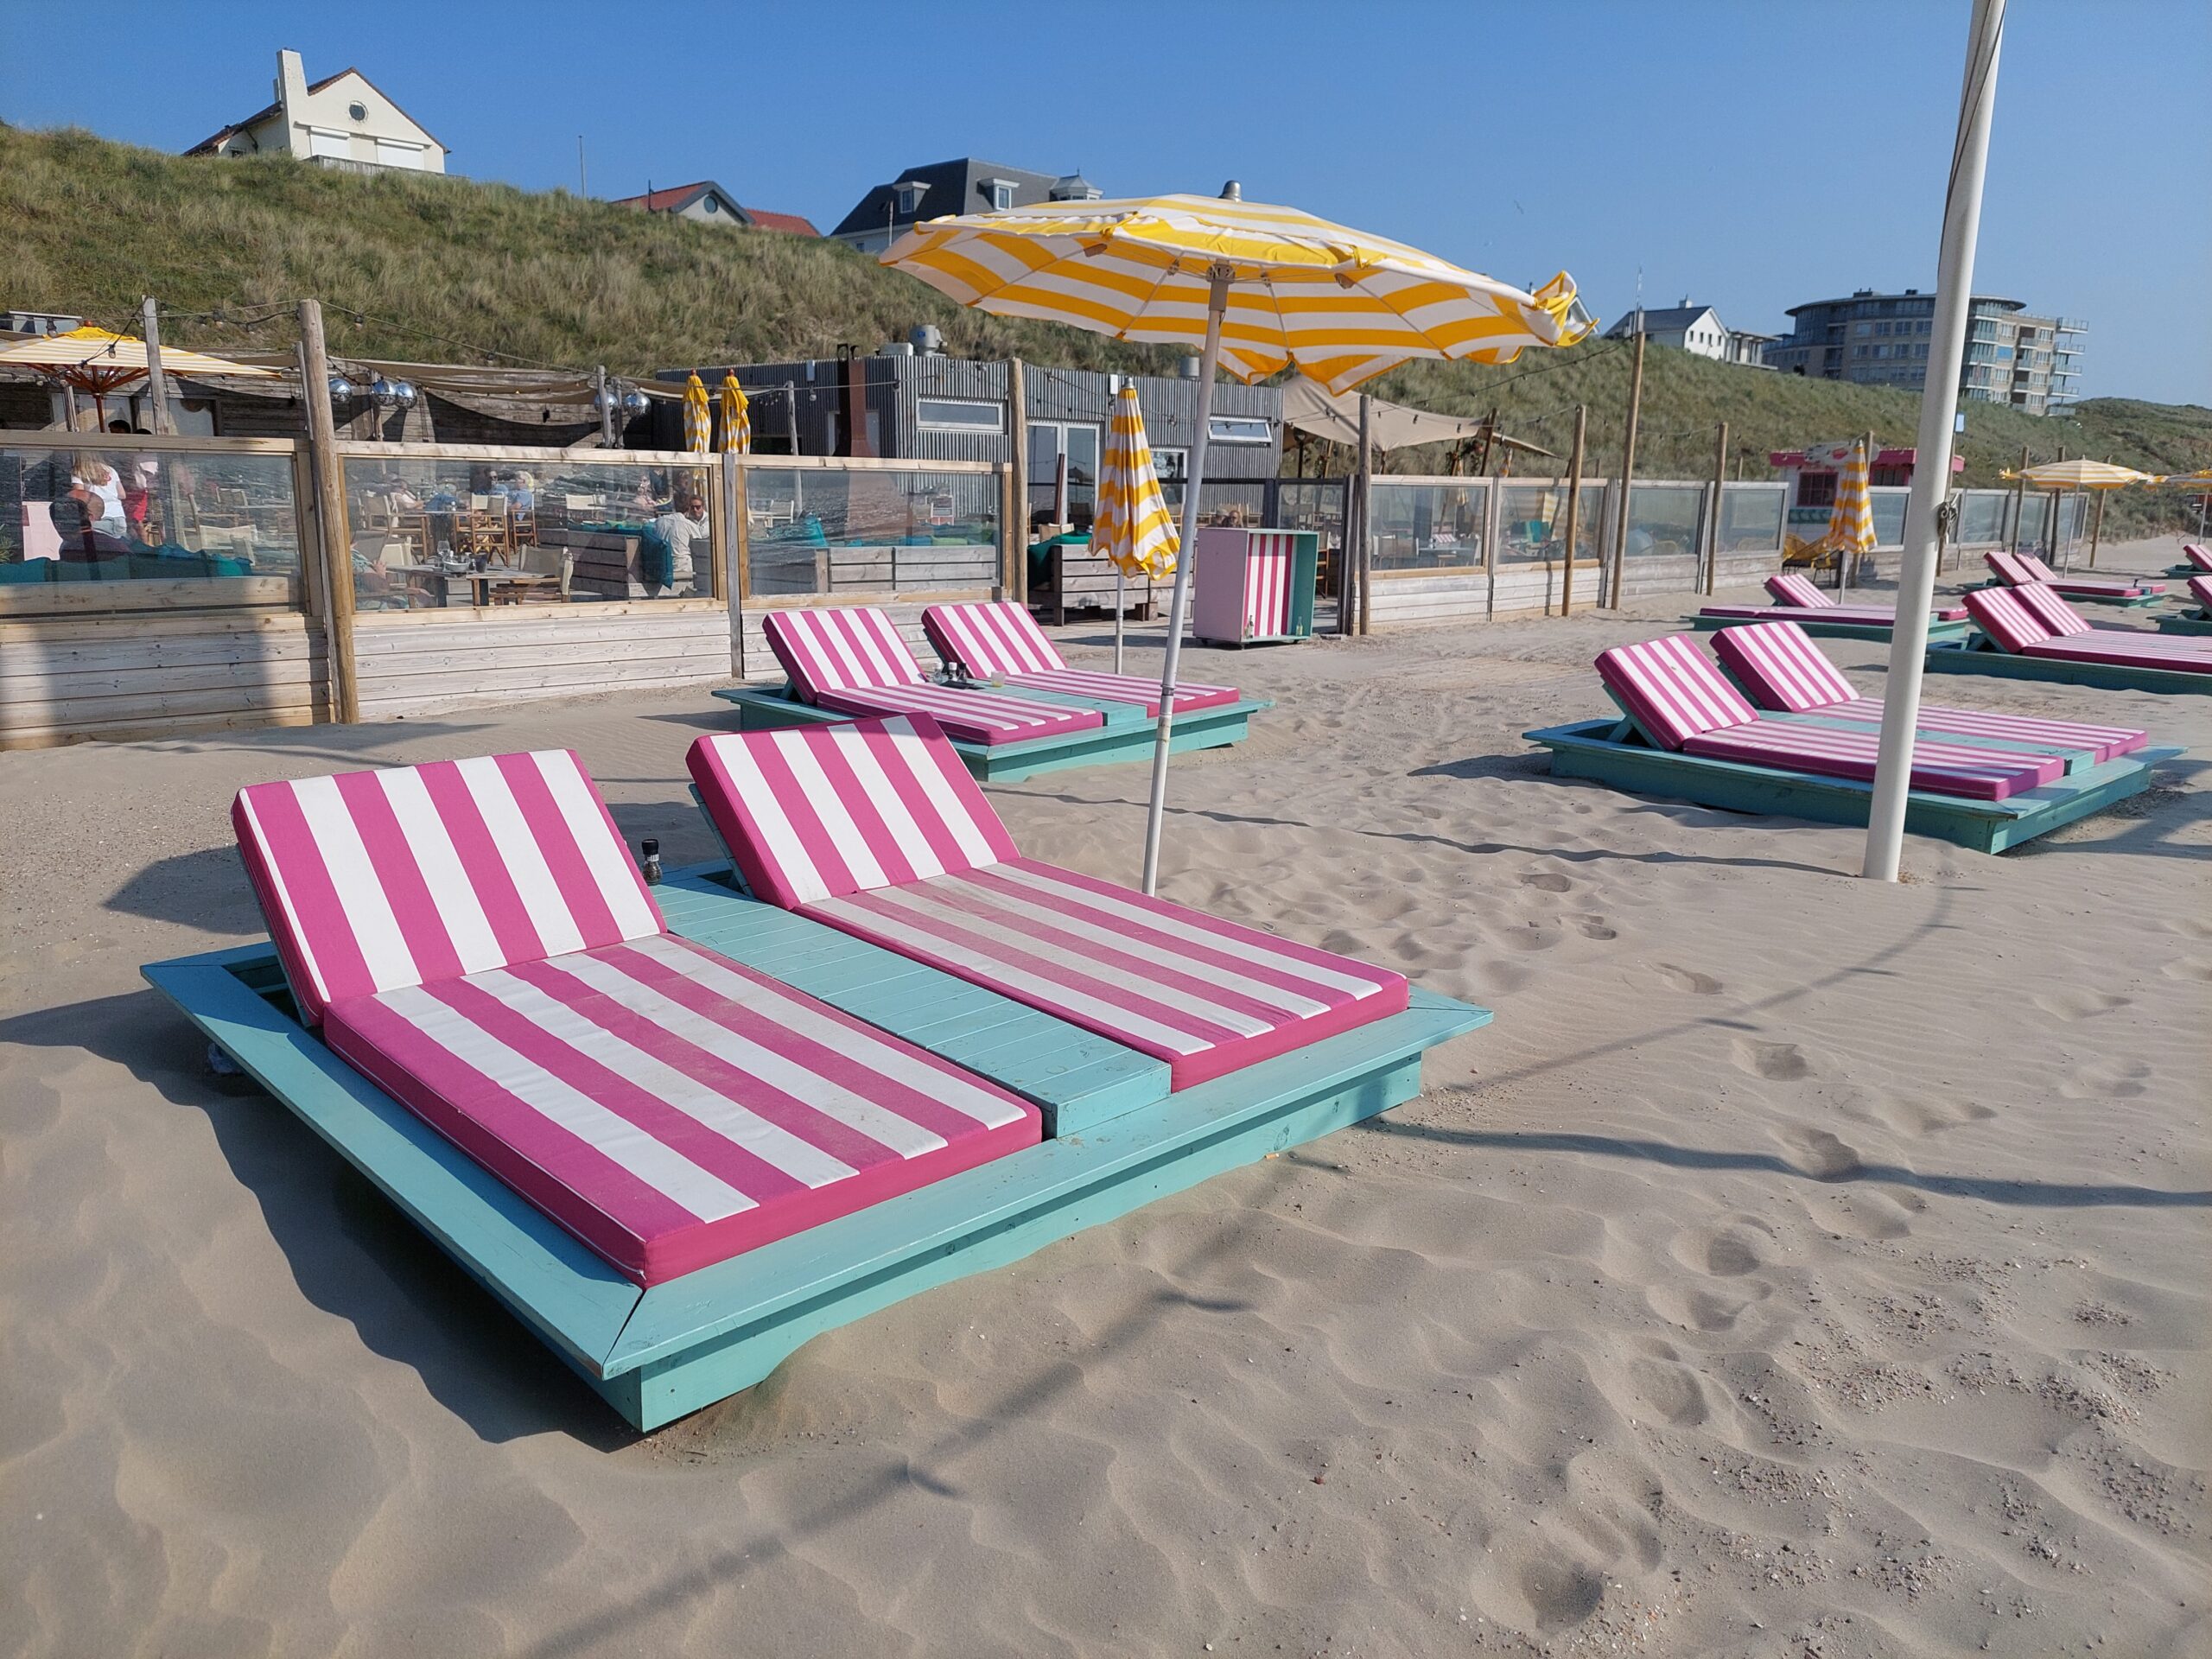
(1232,191)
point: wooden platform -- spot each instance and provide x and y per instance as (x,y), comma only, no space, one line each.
(1978,656)
(1127,735)
(1117,1141)
(1610,751)
(1809,619)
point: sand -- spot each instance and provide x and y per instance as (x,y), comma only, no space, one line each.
(1797,1267)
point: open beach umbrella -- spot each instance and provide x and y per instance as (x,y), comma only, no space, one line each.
(1257,288)
(1131,524)
(737,417)
(1851,519)
(95,361)
(2060,476)
(698,416)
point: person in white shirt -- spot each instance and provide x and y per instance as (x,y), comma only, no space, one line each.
(681,527)
(98,489)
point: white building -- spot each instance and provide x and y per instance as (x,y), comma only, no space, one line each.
(1696,329)
(341,121)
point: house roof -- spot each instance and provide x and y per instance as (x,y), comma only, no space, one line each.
(678,197)
(208,145)
(955,187)
(1661,320)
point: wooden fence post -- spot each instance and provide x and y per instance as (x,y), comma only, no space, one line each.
(1574,509)
(329,472)
(1612,595)
(1712,522)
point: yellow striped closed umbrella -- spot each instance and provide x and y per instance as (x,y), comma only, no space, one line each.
(1851,519)
(737,417)
(1257,289)
(1131,524)
(698,418)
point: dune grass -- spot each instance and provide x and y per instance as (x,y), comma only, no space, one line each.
(455,270)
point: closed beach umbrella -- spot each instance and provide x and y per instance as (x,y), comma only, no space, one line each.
(1257,288)
(737,417)
(1131,524)
(1851,519)
(698,418)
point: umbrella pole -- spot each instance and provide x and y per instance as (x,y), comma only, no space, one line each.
(1178,605)
(1121,581)
(1931,473)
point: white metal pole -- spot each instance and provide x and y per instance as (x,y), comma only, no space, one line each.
(1217,304)
(1121,586)
(1931,472)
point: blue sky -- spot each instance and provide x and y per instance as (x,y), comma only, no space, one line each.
(1751,156)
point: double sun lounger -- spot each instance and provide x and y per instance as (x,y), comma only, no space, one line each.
(2198,620)
(2031,633)
(679,1130)
(1798,598)
(2026,570)
(1013,707)
(2196,561)
(1789,734)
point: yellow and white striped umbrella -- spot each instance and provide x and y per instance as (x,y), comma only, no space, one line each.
(2080,475)
(1851,519)
(1131,524)
(1341,305)
(698,418)
(737,417)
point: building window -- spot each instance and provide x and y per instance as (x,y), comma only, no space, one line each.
(358,112)
(711,205)
(953,415)
(1000,194)
(1239,429)
(1864,329)
(910,199)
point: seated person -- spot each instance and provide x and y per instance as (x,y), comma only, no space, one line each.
(682,527)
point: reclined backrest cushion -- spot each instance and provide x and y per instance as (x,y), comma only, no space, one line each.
(2199,557)
(813,813)
(1782,669)
(372,881)
(839,650)
(1790,588)
(1673,692)
(2003,619)
(990,638)
(2007,568)
(2201,587)
(2048,607)
(2033,564)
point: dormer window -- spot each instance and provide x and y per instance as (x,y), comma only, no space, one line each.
(909,193)
(1000,194)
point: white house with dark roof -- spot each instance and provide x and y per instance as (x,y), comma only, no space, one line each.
(1696,329)
(943,189)
(705,202)
(342,120)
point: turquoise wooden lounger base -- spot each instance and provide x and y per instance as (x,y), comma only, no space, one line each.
(2185,622)
(1938,628)
(2084,599)
(1118,1141)
(1127,735)
(2184,571)
(1978,656)
(1610,752)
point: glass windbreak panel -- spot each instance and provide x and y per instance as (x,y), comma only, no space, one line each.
(1239,502)
(140,519)
(1048,442)
(537,530)
(1317,504)
(1663,519)
(829,530)
(1982,516)
(1429,526)
(1752,517)
(1888,503)
(1532,524)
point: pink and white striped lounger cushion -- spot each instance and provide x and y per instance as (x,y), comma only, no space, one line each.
(2199,589)
(852,661)
(375,880)
(1790,588)
(894,844)
(2024,570)
(1944,768)
(669,1107)
(1671,691)
(1001,641)
(1778,664)
(2199,557)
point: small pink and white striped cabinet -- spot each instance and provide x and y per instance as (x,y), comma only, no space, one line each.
(1253,587)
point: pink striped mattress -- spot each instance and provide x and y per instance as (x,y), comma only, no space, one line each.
(876,828)
(1863,616)
(2199,557)
(1944,768)
(2105,743)
(2199,589)
(986,717)
(668,1107)
(1000,641)
(472,936)
(2130,648)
